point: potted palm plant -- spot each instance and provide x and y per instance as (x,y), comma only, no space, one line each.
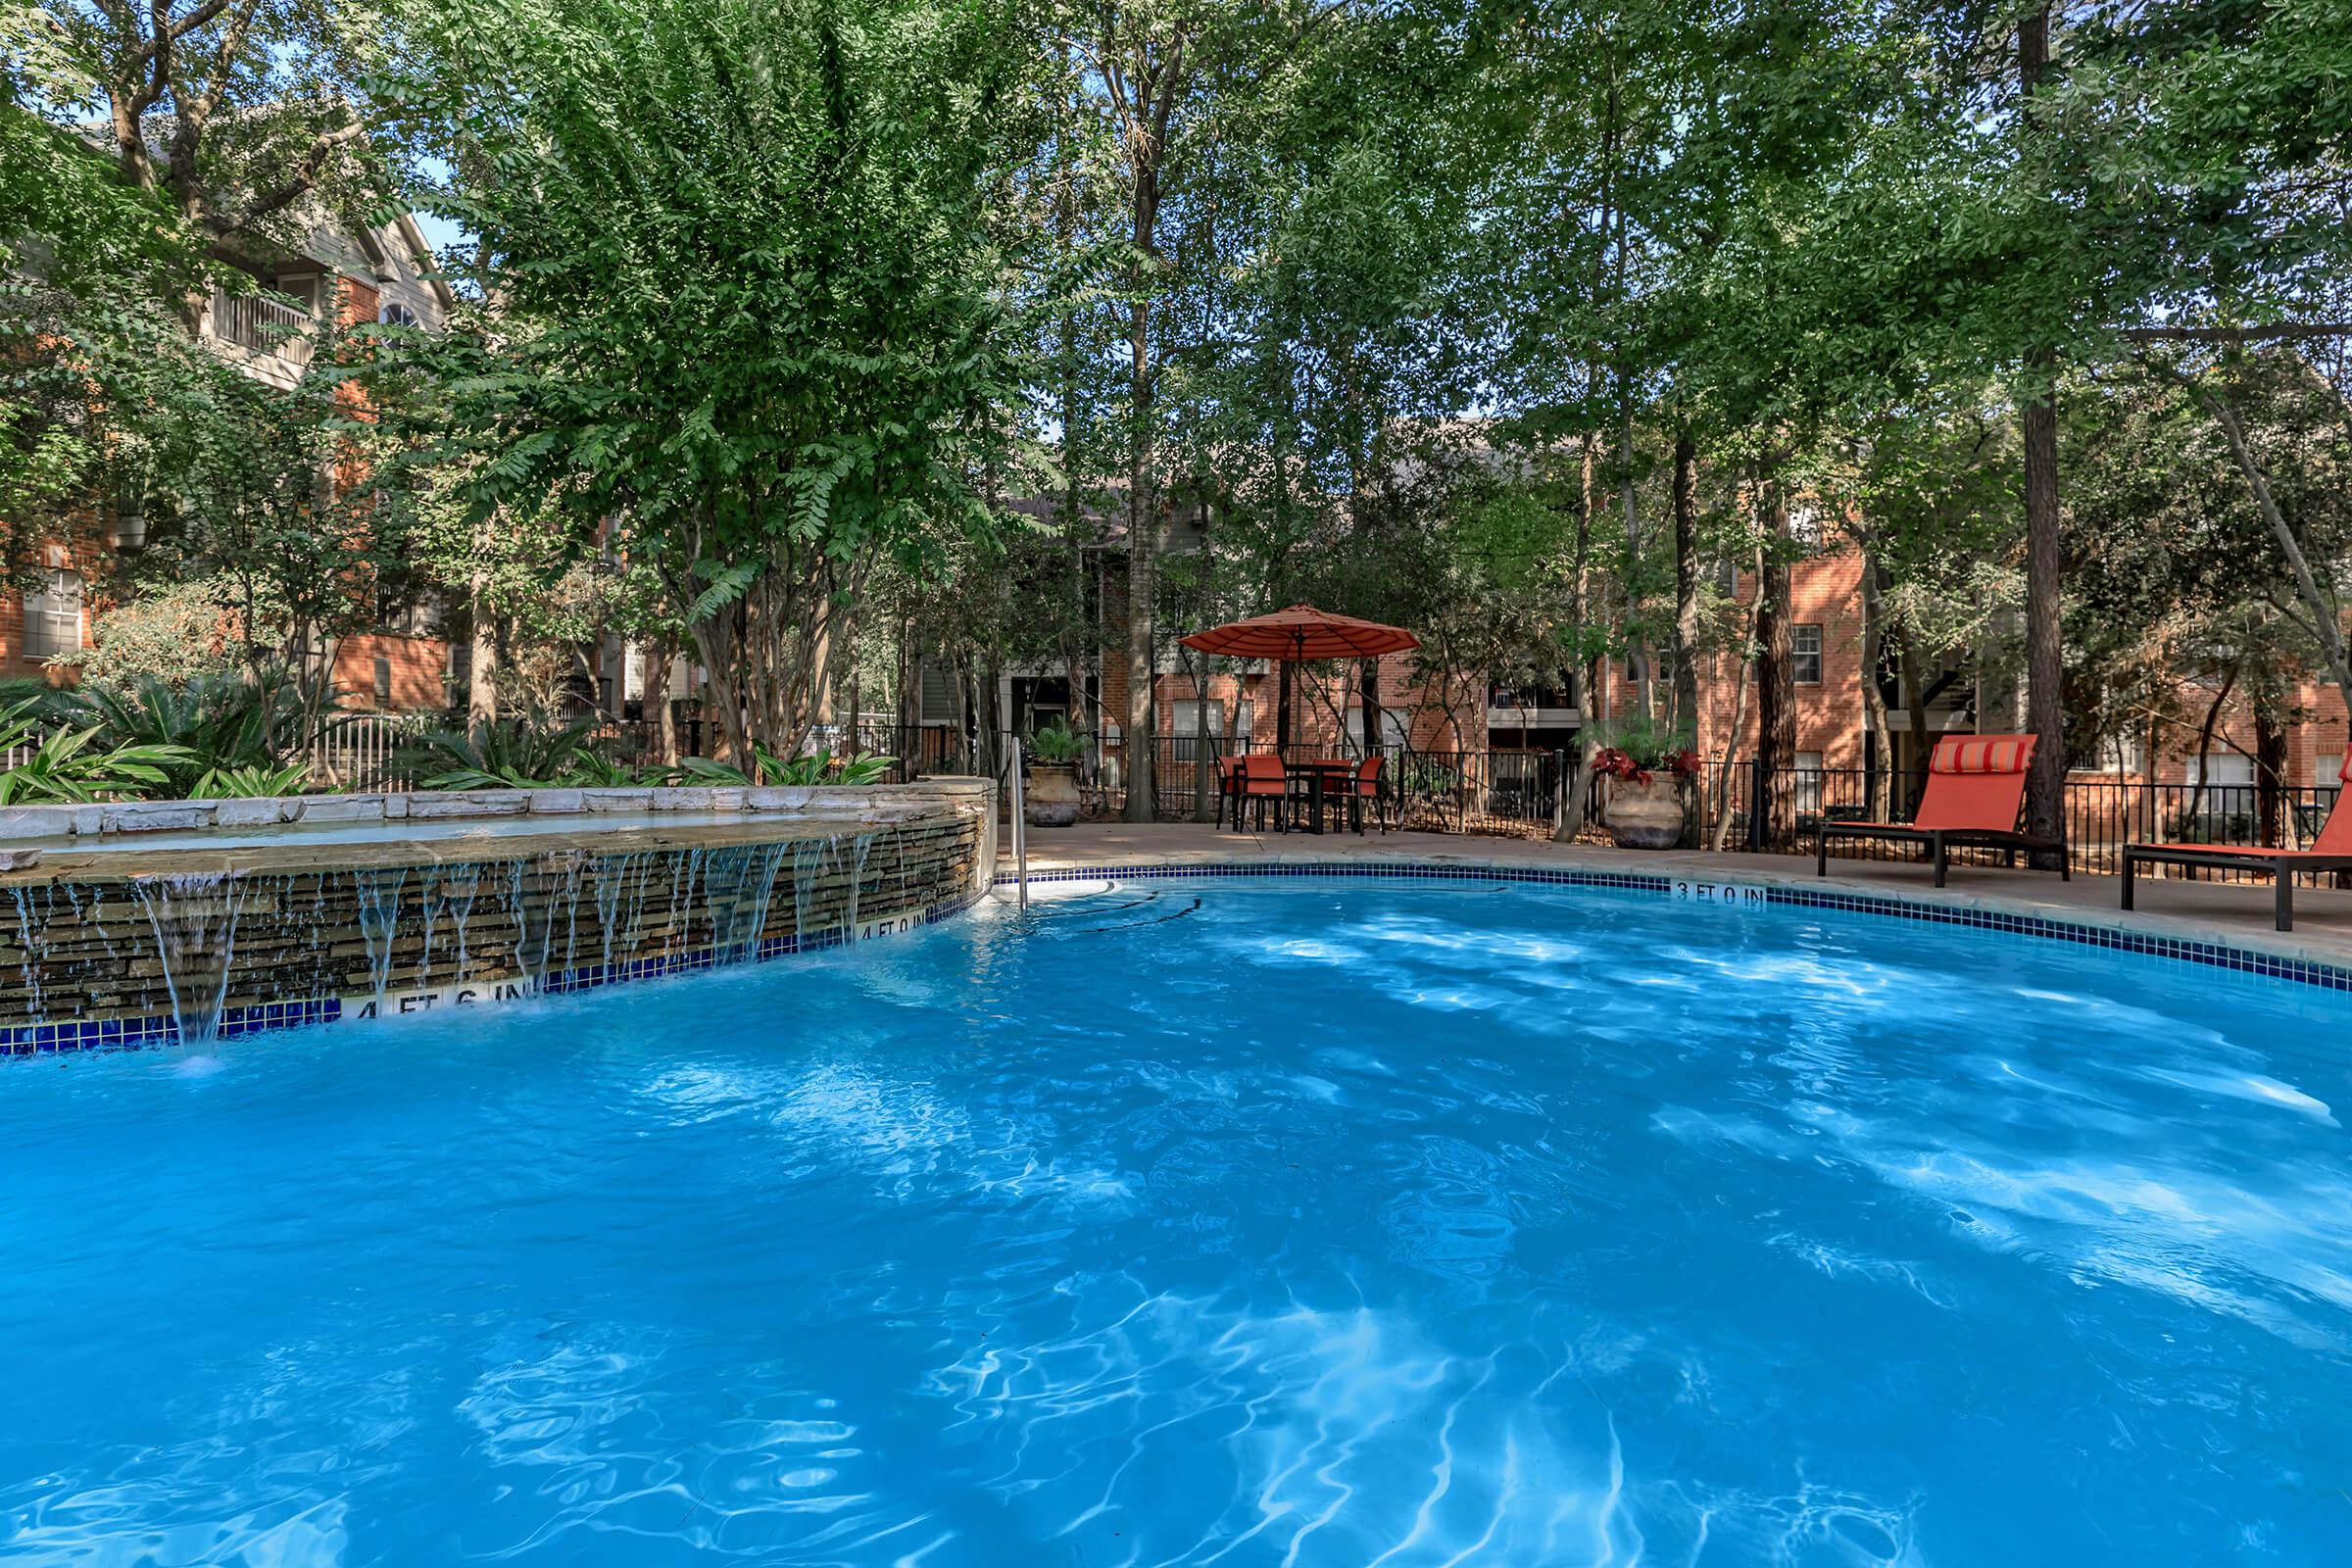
(1644,764)
(1052,796)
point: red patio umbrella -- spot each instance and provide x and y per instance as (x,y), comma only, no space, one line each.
(1302,632)
(1299,634)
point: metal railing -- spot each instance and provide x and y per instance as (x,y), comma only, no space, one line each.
(2102,814)
(365,750)
(269,325)
(1500,793)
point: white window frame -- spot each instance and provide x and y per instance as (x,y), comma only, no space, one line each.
(1798,652)
(1808,781)
(56,610)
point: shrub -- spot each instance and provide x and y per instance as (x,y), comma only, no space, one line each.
(816,768)
(75,767)
(510,753)
(217,725)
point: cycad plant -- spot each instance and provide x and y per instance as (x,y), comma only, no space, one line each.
(77,766)
(816,768)
(217,726)
(510,753)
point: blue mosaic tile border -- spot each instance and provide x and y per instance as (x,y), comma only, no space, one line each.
(112,1034)
(2217,954)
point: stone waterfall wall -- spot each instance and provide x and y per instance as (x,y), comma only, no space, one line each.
(141,958)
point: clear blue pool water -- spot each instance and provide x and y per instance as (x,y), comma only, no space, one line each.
(1330,1223)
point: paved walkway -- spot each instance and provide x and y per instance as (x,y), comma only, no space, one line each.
(2200,912)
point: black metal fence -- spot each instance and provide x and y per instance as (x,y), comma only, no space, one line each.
(1746,807)
(1776,810)
(1512,794)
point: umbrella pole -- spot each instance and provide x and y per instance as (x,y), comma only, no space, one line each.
(1282,713)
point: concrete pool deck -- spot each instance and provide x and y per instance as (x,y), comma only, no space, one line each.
(2236,914)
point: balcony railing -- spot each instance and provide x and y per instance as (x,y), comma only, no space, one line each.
(263,324)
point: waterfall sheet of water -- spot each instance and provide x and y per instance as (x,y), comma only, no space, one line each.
(194,917)
(537,912)
(863,843)
(739,883)
(619,904)
(378,895)
(28,965)
(808,858)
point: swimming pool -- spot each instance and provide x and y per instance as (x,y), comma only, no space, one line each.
(1285,1221)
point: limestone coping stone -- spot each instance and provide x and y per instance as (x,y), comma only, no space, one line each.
(32,825)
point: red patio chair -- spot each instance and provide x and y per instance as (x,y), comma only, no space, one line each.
(1229,777)
(2331,851)
(1976,789)
(1262,779)
(1364,786)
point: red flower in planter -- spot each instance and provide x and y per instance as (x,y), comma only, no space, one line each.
(1614,763)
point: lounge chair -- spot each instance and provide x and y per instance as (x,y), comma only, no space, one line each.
(1976,791)
(2331,851)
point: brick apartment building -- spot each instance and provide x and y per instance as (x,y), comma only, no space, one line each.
(379,274)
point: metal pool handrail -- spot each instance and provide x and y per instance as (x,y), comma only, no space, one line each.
(1020,826)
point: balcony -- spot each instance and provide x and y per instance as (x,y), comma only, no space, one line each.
(263,327)
(1526,705)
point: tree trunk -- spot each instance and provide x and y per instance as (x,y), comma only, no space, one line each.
(1880,734)
(1730,742)
(2045,667)
(2270,772)
(1686,624)
(1590,697)
(1915,706)
(2212,717)
(481,660)
(657,657)
(1143,516)
(1776,677)
(1204,760)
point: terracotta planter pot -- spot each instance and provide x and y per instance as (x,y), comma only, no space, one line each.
(1646,817)
(1050,796)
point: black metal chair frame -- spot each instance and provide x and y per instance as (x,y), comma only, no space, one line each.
(1940,842)
(2282,865)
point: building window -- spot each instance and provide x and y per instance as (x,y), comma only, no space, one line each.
(2221,770)
(395,314)
(2225,804)
(383,683)
(53,616)
(1804,654)
(2121,756)
(2326,769)
(1185,728)
(1808,781)
(1727,577)
(1804,524)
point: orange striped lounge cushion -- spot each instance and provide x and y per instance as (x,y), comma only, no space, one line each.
(1980,754)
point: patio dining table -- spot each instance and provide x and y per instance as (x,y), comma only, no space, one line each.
(1319,774)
